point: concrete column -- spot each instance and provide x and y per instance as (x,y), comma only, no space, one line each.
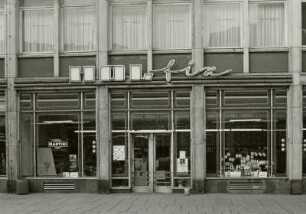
(197,39)
(198,144)
(103,159)
(104,140)
(150,34)
(56,34)
(295,97)
(246,37)
(102,41)
(11,95)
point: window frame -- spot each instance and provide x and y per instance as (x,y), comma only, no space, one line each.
(21,27)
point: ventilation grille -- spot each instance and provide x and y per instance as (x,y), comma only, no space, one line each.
(241,185)
(59,186)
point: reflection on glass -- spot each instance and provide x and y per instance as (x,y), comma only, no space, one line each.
(2,146)
(141,161)
(26,143)
(89,144)
(58,145)
(119,155)
(246,149)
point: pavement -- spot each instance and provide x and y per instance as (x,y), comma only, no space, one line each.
(151,203)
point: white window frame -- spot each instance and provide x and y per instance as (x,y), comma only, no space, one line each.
(22,10)
(62,42)
(285,22)
(189,30)
(110,28)
(218,2)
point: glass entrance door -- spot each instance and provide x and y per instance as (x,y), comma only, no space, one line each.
(151,162)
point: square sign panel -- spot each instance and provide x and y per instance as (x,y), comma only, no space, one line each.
(136,71)
(89,73)
(75,73)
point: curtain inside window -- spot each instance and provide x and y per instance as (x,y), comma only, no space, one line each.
(222,25)
(79,29)
(267,24)
(129,28)
(37,31)
(2,32)
(171,27)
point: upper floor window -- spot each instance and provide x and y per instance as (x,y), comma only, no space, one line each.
(171,26)
(2,30)
(304,23)
(37,26)
(267,24)
(78,26)
(129,28)
(222,24)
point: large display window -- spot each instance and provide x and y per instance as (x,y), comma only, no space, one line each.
(58,134)
(150,138)
(246,132)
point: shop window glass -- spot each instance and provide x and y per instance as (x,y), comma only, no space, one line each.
(37,30)
(222,25)
(151,120)
(280,143)
(89,100)
(267,24)
(280,98)
(212,99)
(58,101)
(79,29)
(26,129)
(2,31)
(58,151)
(171,27)
(212,143)
(182,152)
(304,23)
(129,28)
(150,100)
(182,120)
(89,144)
(118,101)
(182,99)
(119,155)
(2,146)
(246,149)
(26,102)
(243,97)
(119,121)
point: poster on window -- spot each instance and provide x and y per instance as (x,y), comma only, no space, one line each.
(118,153)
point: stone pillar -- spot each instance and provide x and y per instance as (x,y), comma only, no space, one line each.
(295,97)
(198,138)
(150,35)
(11,95)
(197,39)
(103,156)
(57,38)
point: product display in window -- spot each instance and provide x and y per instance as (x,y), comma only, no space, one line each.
(252,163)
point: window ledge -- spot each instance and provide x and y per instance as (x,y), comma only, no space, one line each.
(70,54)
(269,49)
(223,50)
(172,51)
(246,178)
(35,55)
(128,52)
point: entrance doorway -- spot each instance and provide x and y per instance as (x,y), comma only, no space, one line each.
(151,162)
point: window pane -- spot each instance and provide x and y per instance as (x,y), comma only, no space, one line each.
(246,151)
(90,100)
(129,28)
(212,99)
(79,29)
(58,101)
(89,144)
(280,143)
(304,23)
(118,101)
(222,25)
(267,24)
(212,143)
(2,146)
(243,97)
(119,121)
(58,145)
(150,100)
(280,98)
(182,120)
(120,155)
(182,99)
(182,152)
(151,120)
(171,26)
(2,32)
(37,31)
(26,130)
(26,102)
